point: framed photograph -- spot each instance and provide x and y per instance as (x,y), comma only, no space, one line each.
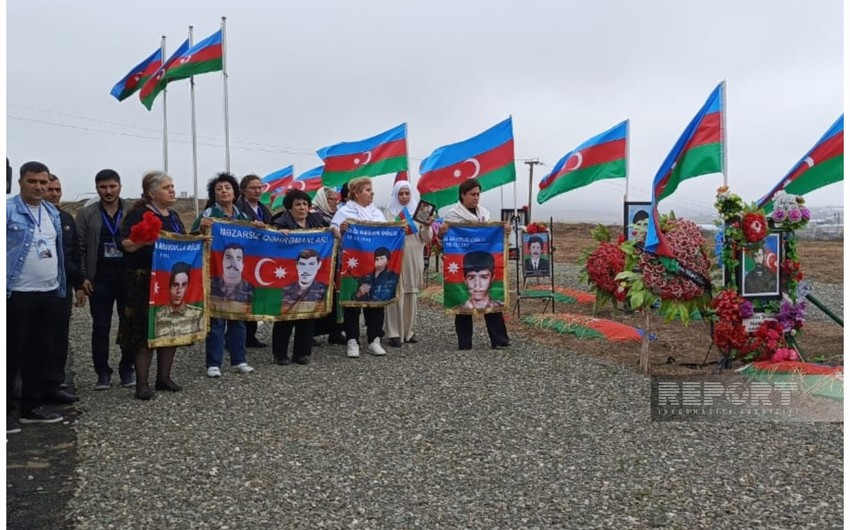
(535,255)
(508,213)
(635,213)
(424,211)
(759,270)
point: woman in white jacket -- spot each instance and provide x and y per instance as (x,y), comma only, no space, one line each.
(400,317)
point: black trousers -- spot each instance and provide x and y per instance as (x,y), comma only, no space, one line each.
(58,359)
(250,331)
(374,317)
(31,319)
(496,329)
(282,330)
(328,325)
(108,292)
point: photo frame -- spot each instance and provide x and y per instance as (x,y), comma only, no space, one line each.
(640,209)
(508,213)
(536,261)
(759,272)
(424,211)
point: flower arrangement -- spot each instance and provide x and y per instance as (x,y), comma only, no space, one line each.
(789,212)
(146,230)
(601,267)
(536,228)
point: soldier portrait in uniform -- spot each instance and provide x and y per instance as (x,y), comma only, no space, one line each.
(230,292)
(306,295)
(178,318)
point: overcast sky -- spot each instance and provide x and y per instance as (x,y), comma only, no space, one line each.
(308,74)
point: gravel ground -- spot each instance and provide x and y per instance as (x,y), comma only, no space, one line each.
(428,437)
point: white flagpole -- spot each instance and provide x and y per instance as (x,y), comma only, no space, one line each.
(194,132)
(164,115)
(224,77)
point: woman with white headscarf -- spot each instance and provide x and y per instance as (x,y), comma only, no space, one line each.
(325,203)
(400,317)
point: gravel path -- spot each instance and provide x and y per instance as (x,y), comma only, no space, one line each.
(428,437)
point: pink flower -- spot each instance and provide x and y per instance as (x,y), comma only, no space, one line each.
(806,213)
(794,215)
(778,215)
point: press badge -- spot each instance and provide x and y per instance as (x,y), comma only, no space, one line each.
(110,250)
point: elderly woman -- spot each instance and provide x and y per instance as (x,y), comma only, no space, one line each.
(157,197)
(325,204)
(401,316)
(359,207)
(298,217)
(222,192)
(467,210)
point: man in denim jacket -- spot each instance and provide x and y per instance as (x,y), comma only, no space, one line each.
(35,284)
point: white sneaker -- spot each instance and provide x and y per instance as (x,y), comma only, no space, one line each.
(353,349)
(213,371)
(375,347)
(243,368)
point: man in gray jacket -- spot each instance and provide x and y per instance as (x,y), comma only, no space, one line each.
(99,230)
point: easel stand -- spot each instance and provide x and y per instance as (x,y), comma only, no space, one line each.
(522,279)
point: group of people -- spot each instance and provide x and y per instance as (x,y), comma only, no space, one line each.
(55,260)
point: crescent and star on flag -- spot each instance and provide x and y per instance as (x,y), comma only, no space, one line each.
(357,162)
(457,173)
(279,272)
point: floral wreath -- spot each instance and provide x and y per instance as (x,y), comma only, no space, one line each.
(602,265)
(745,228)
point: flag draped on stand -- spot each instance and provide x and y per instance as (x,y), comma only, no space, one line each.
(156,83)
(601,157)
(699,151)
(205,56)
(135,78)
(378,155)
(822,165)
(274,184)
(489,157)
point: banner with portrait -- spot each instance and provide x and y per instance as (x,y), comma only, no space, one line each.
(178,313)
(262,274)
(370,264)
(474,274)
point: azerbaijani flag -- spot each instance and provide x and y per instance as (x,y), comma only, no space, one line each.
(821,166)
(480,249)
(601,157)
(407,218)
(401,176)
(155,82)
(310,181)
(699,151)
(378,155)
(275,184)
(135,78)
(206,56)
(489,157)
(361,246)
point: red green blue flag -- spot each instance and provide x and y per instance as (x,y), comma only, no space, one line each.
(822,165)
(474,258)
(601,157)
(156,82)
(378,155)
(699,151)
(178,314)
(310,181)
(135,78)
(489,157)
(370,264)
(205,56)
(407,218)
(260,274)
(275,185)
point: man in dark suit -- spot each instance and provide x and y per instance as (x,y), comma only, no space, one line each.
(535,263)
(252,189)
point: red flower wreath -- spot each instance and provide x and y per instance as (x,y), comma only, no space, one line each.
(146,230)
(603,265)
(755,227)
(536,228)
(685,241)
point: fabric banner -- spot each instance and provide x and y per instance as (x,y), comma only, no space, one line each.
(178,313)
(261,274)
(370,264)
(474,275)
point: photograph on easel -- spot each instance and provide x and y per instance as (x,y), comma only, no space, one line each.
(535,255)
(759,269)
(635,214)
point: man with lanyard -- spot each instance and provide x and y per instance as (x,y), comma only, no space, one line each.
(99,230)
(251,187)
(35,284)
(58,370)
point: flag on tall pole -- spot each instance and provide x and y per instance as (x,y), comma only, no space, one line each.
(700,150)
(310,181)
(601,157)
(275,183)
(822,165)
(134,79)
(489,157)
(381,154)
(156,82)
(205,56)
